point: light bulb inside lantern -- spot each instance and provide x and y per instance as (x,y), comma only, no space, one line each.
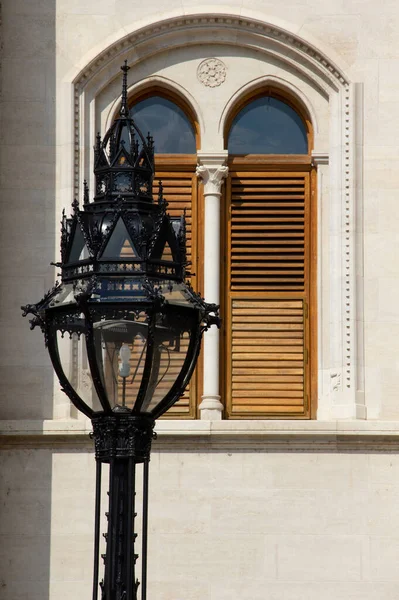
(124,355)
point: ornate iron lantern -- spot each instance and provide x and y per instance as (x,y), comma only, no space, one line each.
(123,298)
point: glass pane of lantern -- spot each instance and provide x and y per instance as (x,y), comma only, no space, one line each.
(65,296)
(171,345)
(175,293)
(121,348)
(167,253)
(73,359)
(79,250)
(120,244)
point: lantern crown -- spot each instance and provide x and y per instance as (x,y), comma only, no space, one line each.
(123,231)
(124,158)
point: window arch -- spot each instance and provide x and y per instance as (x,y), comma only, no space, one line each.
(168,124)
(170,119)
(270,260)
(174,127)
(268,122)
(268,126)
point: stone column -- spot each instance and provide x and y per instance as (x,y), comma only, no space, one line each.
(212,170)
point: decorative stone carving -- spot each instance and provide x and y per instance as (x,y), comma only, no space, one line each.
(212,72)
(212,177)
(335,381)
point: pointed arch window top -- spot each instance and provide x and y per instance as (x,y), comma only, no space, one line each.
(268,126)
(170,127)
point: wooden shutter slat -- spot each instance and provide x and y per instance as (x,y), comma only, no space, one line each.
(260,364)
(275,356)
(265,243)
(246,234)
(245,404)
(267,318)
(274,180)
(277,304)
(271,204)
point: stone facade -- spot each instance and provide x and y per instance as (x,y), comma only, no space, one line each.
(239,509)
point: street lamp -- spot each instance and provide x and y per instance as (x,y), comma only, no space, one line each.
(123,298)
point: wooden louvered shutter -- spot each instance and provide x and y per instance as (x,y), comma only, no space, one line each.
(180,191)
(267,329)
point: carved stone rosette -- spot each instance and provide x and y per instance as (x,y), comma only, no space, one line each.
(123,436)
(212,72)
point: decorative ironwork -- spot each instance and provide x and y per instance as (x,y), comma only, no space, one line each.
(122,436)
(86,198)
(128,301)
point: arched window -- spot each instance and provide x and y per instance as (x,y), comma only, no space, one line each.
(270,261)
(268,126)
(169,125)
(174,128)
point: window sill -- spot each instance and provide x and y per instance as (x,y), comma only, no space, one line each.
(258,435)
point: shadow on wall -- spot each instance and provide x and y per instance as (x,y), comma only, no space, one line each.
(25,524)
(28,220)
(28,225)
(47,522)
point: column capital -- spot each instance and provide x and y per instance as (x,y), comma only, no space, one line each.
(212,170)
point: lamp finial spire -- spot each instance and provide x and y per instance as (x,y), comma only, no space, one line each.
(124,112)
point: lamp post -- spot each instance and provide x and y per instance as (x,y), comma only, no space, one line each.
(123,297)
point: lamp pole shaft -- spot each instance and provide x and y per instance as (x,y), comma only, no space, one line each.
(97,529)
(122,441)
(119,576)
(145,532)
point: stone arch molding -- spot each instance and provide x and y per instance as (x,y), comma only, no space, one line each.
(340,359)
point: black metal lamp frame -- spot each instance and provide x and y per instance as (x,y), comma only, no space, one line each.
(107,287)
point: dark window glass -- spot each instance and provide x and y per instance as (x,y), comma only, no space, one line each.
(268,126)
(167,123)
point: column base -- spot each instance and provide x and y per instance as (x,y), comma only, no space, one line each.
(211,408)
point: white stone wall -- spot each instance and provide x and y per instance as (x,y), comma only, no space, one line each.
(27,215)
(225,523)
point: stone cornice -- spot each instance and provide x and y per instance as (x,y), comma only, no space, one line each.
(283,436)
(212,159)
